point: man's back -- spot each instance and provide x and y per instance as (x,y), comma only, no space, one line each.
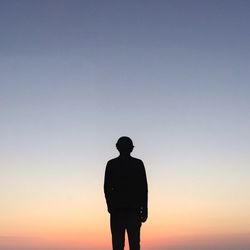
(125,184)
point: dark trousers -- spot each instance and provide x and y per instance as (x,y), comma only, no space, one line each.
(125,221)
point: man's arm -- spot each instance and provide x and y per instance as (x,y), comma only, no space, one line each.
(144,194)
(107,185)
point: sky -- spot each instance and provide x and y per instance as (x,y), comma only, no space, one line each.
(76,75)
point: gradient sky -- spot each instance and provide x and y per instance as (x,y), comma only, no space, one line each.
(172,75)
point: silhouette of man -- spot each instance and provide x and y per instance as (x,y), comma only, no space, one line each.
(126,193)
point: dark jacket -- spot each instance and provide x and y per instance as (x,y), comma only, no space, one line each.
(125,185)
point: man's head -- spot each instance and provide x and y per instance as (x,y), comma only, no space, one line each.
(124,145)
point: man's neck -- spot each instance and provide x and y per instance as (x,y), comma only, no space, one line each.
(124,156)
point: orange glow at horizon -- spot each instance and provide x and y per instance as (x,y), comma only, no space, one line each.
(79,224)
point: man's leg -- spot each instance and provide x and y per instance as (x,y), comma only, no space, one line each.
(133,230)
(118,231)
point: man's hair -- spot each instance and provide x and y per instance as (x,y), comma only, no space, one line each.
(124,142)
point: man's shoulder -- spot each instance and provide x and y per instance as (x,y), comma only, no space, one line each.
(113,161)
(118,159)
(136,160)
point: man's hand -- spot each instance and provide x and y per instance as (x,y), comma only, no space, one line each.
(143,214)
